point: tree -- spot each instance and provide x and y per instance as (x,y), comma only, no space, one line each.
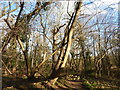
(62,59)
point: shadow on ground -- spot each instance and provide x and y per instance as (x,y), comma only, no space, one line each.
(21,84)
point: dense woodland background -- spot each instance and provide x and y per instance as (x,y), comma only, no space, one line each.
(58,45)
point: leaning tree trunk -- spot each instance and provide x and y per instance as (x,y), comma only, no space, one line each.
(64,54)
(54,47)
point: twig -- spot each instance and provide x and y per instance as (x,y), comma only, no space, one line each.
(6,68)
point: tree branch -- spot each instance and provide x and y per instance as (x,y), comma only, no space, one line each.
(21,9)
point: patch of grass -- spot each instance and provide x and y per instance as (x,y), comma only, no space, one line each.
(90,84)
(87,84)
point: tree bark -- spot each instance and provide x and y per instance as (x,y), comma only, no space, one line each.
(64,54)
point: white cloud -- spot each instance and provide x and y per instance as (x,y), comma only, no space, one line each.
(112,3)
(65,4)
(94,11)
(100,6)
(109,1)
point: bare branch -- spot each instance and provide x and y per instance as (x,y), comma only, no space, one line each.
(21,9)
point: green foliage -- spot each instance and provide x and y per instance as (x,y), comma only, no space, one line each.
(88,53)
(23,37)
(87,84)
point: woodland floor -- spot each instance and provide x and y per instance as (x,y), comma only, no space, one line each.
(71,82)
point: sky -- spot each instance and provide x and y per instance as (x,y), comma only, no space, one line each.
(102,4)
(92,6)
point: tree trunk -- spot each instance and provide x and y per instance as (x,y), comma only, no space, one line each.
(64,54)
(54,57)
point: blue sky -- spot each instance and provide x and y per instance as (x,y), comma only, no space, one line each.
(91,8)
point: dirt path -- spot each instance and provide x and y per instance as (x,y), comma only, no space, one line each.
(22,84)
(70,85)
